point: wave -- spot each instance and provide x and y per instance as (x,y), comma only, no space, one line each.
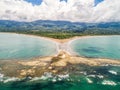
(96,76)
(108,82)
(63,76)
(100,76)
(53,78)
(112,72)
(7,79)
(1,77)
(85,73)
(89,80)
(11,79)
(46,76)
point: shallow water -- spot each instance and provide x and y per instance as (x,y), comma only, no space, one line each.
(16,46)
(98,47)
(78,77)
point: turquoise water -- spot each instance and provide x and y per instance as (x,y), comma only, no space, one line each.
(16,46)
(80,77)
(97,78)
(98,46)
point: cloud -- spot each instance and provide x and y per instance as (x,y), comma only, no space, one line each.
(72,10)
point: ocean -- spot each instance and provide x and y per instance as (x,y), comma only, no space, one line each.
(95,78)
(76,77)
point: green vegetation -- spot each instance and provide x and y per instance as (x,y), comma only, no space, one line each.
(65,35)
(60,29)
(56,35)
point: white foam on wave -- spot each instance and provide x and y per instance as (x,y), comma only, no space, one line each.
(63,76)
(112,72)
(60,77)
(85,73)
(11,79)
(54,80)
(35,79)
(110,65)
(1,77)
(91,76)
(100,76)
(5,79)
(43,77)
(108,82)
(49,76)
(95,76)
(89,80)
(46,75)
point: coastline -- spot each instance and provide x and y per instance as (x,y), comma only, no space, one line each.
(35,36)
(61,44)
(39,65)
(59,40)
(54,64)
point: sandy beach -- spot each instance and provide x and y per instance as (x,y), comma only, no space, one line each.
(55,64)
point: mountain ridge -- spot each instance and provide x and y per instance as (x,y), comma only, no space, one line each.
(48,24)
(60,29)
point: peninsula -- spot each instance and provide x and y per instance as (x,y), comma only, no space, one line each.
(56,64)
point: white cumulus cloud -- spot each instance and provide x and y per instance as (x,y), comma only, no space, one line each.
(72,10)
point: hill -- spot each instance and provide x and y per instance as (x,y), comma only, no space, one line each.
(58,28)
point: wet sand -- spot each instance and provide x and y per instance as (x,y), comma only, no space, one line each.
(55,64)
(36,67)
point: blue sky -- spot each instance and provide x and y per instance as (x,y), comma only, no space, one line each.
(34,2)
(38,2)
(98,1)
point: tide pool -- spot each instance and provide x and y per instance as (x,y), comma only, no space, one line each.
(97,47)
(17,46)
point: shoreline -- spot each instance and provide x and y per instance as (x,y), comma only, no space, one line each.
(59,40)
(37,66)
(62,44)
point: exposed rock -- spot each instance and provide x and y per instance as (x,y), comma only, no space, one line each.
(54,64)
